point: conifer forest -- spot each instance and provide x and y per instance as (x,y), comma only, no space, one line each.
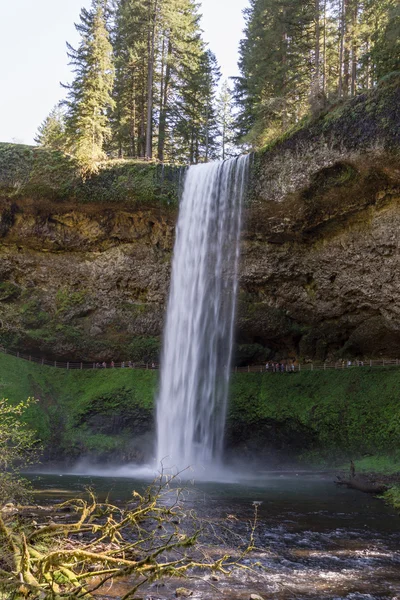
(146,84)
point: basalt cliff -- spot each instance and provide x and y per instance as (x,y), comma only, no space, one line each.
(85,264)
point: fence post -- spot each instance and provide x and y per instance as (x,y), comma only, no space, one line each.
(299,367)
(370,363)
(324,366)
(248,369)
(55,363)
(30,359)
(383,362)
(94,366)
(67,365)
(42,361)
(81,366)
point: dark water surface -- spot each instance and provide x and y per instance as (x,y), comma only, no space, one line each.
(314,540)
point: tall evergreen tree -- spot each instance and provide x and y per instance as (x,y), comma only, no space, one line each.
(299,55)
(156,45)
(51,133)
(90,94)
(196,127)
(226,122)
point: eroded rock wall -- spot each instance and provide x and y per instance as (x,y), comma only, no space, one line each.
(320,262)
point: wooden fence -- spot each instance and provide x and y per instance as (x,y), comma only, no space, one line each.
(288,366)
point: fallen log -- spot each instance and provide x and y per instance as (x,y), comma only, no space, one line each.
(362,485)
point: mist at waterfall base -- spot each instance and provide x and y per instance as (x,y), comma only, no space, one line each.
(191,403)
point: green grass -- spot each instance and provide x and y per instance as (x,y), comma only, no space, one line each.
(338,416)
(341,415)
(43,174)
(68,401)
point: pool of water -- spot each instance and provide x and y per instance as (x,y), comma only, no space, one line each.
(313,539)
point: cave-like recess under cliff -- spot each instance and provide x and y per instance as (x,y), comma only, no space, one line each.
(85,264)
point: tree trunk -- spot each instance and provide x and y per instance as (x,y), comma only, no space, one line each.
(150,76)
(133,116)
(341,49)
(347,47)
(317,82)
(324,50)
(284,68)
(163,106)
(354,49)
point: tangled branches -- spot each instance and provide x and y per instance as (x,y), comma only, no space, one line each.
(140,543)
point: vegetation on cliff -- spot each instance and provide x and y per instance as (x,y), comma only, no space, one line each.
(33,173)
(317,418)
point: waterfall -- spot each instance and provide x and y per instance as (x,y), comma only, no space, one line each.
(198,337)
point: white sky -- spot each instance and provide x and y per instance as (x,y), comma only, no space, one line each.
(34,60)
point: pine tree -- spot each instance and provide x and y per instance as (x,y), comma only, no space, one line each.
(300,55)
(130,40)
(89,96)
(226,122)
(51,133)
(196,127)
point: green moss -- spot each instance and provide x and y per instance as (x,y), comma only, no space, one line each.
(145,349)
(347,414)
(325,416)
(65,299)
(364,121)
(68,401)
(39,173)
(8,291)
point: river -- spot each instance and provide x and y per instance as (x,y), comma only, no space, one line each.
(314,540)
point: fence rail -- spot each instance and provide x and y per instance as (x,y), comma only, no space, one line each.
(288,367)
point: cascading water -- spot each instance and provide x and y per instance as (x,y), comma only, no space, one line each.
(198,337)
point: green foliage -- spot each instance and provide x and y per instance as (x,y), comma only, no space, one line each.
(73,407)
(144,350)
(17,443)
(163,73)
(8,291)
(90,94)
(339,415)
(297,58)
(347,414)
(51,133)
(66,299)
(392,496)
(33,317)
(43,174)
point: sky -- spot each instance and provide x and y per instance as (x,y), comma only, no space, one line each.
(33,59)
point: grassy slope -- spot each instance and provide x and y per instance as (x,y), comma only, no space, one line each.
(43,174)
(350,414)
(69,400)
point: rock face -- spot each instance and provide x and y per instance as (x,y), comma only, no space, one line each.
(320,270)
(320,262)
(83,282)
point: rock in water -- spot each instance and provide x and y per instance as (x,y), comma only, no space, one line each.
(183,593)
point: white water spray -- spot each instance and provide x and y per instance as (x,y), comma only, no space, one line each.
(198,338)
